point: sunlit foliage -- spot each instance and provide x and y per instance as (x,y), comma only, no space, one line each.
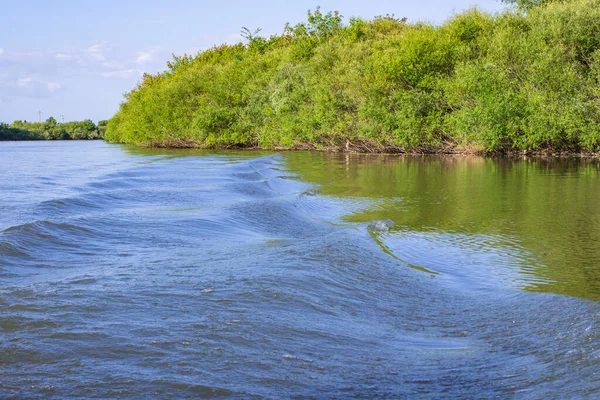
(526,78)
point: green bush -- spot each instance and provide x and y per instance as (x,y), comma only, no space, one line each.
(526,78)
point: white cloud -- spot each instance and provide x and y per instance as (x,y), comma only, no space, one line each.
(40,73)
(144,58)
(25,82)
(63,56)
(53,87)
(147,56)
(114,65)
(126,73)
(98,51)
(29,87)
(34,60)
(95,52)
(28,57)
(97,58)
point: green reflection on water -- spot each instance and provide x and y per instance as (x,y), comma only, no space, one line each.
(549,208)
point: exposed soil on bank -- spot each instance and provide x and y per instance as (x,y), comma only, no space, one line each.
(361,147)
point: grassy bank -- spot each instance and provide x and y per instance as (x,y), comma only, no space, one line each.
(52,130)
(522,80)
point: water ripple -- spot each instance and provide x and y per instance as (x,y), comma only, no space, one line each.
(183,274)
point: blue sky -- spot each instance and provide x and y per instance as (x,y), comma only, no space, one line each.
(77,57)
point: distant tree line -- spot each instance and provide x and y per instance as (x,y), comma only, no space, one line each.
(53,130)
(527,78)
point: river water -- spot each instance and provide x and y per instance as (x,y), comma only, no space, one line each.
(140,274)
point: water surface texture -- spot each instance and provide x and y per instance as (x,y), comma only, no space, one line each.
(137,274)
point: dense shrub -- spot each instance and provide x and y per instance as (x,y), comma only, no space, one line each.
(526,78)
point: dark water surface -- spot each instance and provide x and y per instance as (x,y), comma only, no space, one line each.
(141,274)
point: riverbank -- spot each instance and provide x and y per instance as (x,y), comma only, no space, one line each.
(375,148)
(479,83)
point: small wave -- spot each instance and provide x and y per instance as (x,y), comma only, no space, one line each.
(17,323)
(254,189)
(470,260)
(277,218)
(8,250)
(67,206)
(116,183)
(44,229)
(253,176)
(85,203)
(327,209)
(25,308)
(34,239)
(83,281)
